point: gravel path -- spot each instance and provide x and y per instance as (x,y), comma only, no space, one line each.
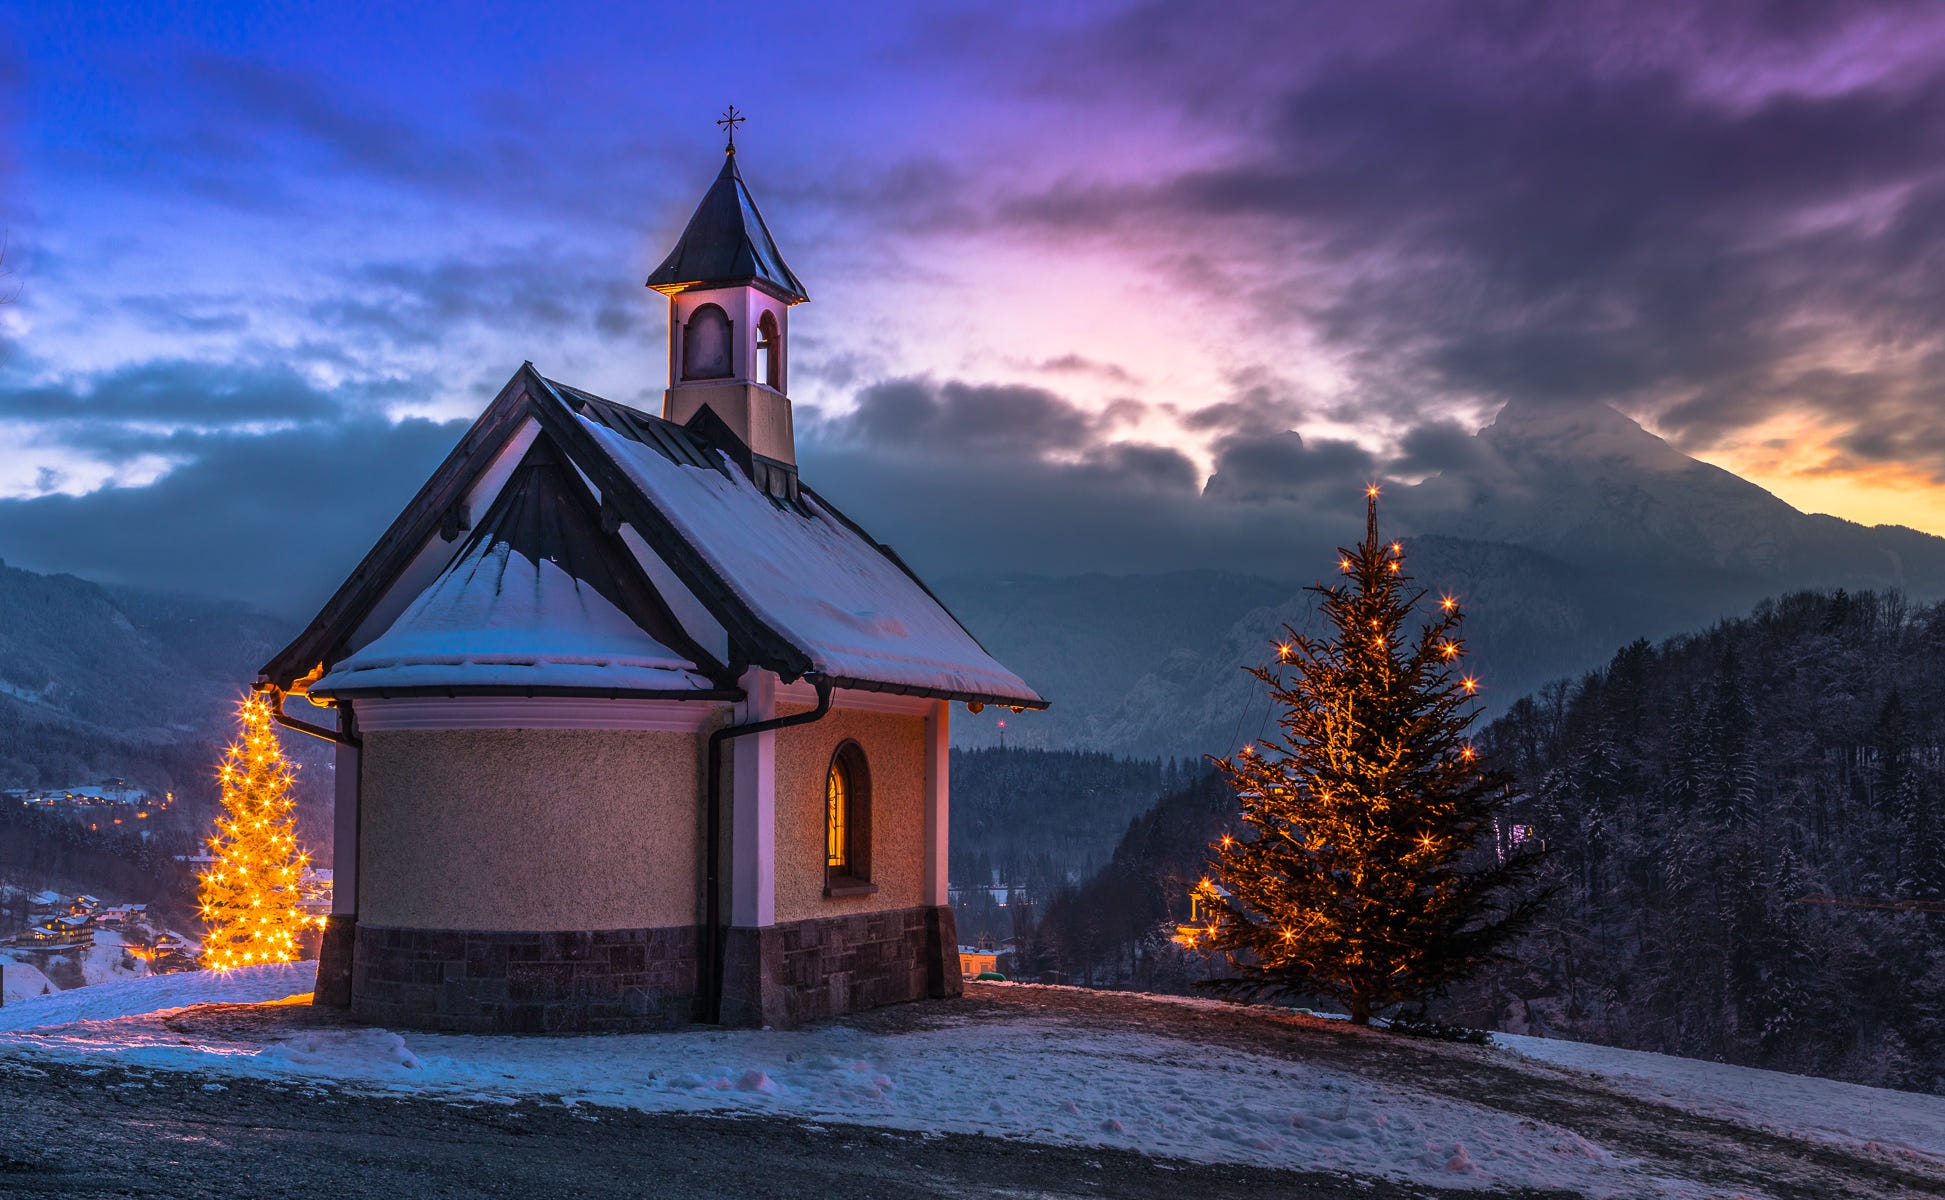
(75,1132)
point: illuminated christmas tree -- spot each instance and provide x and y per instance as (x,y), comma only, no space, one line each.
(250,894)
(1366,870)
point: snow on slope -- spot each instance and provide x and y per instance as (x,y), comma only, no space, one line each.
(1027,1078)
(1907,1124)
(23,981)
(155,993)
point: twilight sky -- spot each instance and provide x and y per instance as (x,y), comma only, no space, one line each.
(1066,262)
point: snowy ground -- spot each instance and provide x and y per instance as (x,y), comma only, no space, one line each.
(1026,1077)
(1905,1124)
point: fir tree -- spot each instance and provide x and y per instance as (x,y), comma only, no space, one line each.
(1362,873)
(250,895)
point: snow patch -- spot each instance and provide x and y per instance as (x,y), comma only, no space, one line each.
(1908,1125)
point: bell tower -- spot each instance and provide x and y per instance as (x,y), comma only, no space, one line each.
(730,296)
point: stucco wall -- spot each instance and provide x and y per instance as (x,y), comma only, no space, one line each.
(530,829)
(894,750)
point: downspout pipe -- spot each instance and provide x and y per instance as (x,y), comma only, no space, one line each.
(715,946)
(277,697)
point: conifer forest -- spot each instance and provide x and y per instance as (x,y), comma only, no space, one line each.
(1696,797)
(1701,801)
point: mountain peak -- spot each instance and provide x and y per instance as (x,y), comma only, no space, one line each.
(1587,430)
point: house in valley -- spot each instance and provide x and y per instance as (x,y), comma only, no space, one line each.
(635,727)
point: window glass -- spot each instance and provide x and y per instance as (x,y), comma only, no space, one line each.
(837,817)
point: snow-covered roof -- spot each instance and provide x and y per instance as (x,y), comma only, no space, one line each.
(530,602)
(816,579)
(725,562)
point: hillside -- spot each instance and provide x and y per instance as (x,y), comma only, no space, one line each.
(98,681)
(1021,1090)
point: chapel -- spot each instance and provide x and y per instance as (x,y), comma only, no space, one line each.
(634,728)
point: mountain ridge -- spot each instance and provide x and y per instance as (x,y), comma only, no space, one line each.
(1568,531)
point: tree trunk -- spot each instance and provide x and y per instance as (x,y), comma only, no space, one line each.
(1360,1011)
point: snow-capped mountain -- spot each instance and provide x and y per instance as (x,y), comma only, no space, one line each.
(1588,485)
(1569,532)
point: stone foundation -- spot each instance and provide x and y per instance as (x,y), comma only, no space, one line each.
(786,975)
(334,962)
(485,982)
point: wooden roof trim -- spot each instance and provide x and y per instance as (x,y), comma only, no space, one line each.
(408,533)
(905,689)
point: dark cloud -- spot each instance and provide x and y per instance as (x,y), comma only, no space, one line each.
(1258,405)
(1075,364)
(170,392)
(1285,467)
(1683,210)
(1436,446)
(1007,433)
(278,519)
(965,479)
(953,417)
(542,288)
(1129,509)
(258,101)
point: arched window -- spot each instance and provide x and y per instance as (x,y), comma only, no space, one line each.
(769,350)
(847,822)
(705,344)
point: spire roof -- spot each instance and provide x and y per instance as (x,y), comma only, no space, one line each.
(726,242)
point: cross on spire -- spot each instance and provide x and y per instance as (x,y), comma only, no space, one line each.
(729,121)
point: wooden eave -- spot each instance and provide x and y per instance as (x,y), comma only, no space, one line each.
(907,689)
(780,294)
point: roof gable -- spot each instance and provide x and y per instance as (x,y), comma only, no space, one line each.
(800,589)
(540,597)
(726,243)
